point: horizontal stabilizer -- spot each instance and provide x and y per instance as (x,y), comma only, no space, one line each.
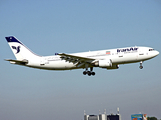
(20,62)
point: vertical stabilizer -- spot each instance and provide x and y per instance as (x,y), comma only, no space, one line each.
(20,51)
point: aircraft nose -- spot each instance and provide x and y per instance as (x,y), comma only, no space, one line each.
(157,53)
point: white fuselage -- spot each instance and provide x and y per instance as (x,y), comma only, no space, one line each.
(117,56)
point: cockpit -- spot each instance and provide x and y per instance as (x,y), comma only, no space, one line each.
(151,50)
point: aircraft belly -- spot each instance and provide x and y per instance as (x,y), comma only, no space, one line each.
(122,59)
(59,65)
(144,57)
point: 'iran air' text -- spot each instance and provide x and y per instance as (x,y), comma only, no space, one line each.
(127,49)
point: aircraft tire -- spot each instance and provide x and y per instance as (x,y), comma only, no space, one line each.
(85,72)
(89,73)
(93,73)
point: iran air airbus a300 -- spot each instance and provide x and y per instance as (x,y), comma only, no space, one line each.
(108,59)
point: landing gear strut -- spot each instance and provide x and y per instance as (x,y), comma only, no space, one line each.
(141,67)
(89,72)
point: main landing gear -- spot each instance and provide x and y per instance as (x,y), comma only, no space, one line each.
(89,72)
(141,67)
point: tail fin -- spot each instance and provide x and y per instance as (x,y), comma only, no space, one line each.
(20,51)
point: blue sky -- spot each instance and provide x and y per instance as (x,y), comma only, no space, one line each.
(65,26)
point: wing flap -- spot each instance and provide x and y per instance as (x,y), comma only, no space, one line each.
(77,60)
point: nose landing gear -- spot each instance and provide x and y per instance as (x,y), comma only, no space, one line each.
(141,67)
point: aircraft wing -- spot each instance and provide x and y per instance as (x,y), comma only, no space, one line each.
(77,60)
(20,62)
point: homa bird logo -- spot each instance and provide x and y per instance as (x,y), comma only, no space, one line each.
(16,48)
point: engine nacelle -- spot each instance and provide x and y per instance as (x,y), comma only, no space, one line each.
(105,64)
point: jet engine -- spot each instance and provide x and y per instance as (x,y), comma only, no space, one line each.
(105,64)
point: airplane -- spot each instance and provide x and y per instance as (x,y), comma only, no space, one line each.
(108,59)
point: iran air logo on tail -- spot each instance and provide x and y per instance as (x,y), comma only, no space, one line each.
(16,48)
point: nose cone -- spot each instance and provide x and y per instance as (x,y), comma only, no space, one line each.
(156,53)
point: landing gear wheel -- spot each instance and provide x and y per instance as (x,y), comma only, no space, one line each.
(89,73)
(85,72)
(93,73)
(141,67)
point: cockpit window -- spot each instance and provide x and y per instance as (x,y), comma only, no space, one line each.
(151,49)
